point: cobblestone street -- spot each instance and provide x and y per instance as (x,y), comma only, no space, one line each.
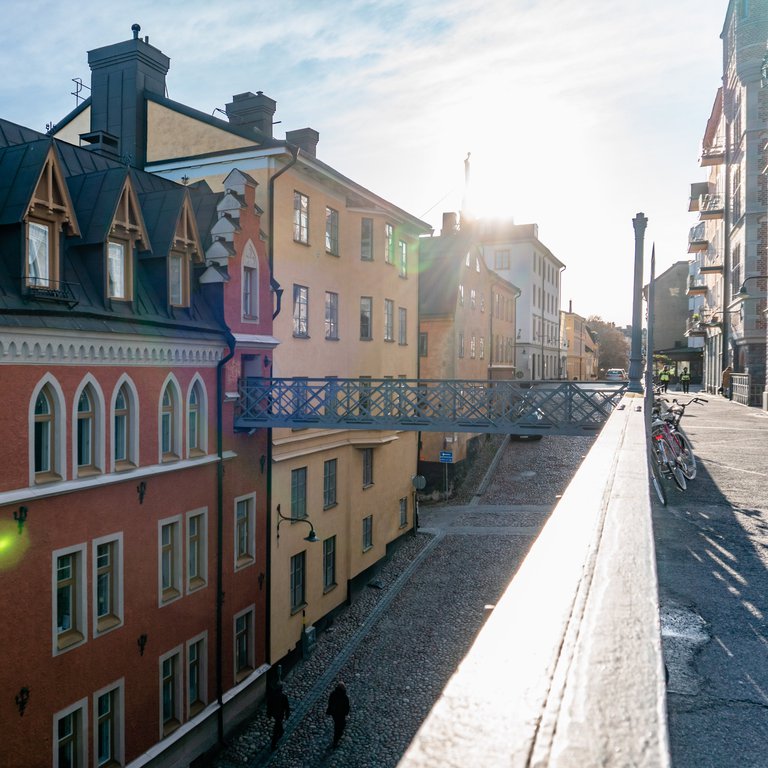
(397,645)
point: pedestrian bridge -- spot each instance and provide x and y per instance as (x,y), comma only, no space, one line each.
(507,407)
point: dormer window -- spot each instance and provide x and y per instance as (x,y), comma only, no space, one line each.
(41,269)
(178,280)
(117,271)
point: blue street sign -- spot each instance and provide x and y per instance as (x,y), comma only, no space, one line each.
(446,457)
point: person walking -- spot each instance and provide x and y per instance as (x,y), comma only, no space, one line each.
(664,378)
(685,380)
(279,709)
(338,709)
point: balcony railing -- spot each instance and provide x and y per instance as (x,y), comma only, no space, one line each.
(46,289)
(697,238)
(696,287)
(711,206)
(714,155)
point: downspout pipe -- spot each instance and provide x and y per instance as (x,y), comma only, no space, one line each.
(220,527)
(278,293)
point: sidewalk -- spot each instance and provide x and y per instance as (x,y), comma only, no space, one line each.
(712,555)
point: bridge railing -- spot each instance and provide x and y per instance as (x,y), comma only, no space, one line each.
(568,671)
(541,407)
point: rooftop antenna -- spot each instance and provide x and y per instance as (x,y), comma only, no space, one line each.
(465,207)
(79,85)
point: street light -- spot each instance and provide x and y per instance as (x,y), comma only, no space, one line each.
(280,517)
(742,294)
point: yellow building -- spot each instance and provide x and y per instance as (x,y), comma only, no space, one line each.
(580,347)
(345,290)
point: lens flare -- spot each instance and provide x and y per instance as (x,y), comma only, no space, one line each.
(13,544)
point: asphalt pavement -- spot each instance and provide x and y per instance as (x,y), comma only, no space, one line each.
(712,556)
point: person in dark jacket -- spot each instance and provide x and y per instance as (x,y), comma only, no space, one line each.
(279,709)
(338,709)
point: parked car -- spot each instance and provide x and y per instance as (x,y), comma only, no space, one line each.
(615,374)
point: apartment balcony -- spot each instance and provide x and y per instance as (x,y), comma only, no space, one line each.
(697,238)
(711,207)
(694,328)
(696,288)
(714,155)
(713,268)
(698,189)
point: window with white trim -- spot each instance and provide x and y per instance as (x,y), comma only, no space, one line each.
(366,318)
(125,427)
(245,531)
(70,749)
(244,644)
(301,311)
(169,560)
(300,218)
(366,239)
(108,726)
(389,244)
(47,428)
(86,432)
(197,549)
(332,231)
(402,326)
(250,293)
(170,424)
(403,259)
(118,270)
(197,674)
(41,266)
(389,320)
(178,279)
(69,598)
(331,315)
(197,421)
(107,557)
(171,692)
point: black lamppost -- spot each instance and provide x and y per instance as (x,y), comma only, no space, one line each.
(312,536)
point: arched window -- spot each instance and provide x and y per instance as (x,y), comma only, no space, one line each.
(86,437)
(121,431)
(197,422)
(170,424)
(45,435)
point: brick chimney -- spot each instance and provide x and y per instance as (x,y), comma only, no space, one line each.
(120,76)
(305,139)
(450,224)
(252,110)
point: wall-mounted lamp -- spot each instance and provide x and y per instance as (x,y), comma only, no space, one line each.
(262,462)
(141,489)
(261,580)
(22,699)
(267,361)
(142,643)
(743,294)
(20,516)
(280,517)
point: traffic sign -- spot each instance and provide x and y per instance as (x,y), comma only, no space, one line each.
(446,457)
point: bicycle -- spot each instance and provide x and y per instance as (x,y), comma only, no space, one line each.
(671,452)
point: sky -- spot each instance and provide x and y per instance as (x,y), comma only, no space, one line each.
(577,115)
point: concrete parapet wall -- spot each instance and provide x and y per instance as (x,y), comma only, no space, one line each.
(568,669)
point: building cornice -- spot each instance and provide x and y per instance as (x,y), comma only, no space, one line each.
(59,347)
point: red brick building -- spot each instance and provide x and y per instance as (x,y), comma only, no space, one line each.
(132,516)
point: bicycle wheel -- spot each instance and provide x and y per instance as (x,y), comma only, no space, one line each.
(686,457)
(657,481)
(668,461)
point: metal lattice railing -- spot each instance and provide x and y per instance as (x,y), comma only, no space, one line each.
(526,408)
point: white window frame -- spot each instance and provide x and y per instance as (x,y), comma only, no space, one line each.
(389,320)
(82,732)
(249,558)
(201,579)
(249,614)
(366,311)
(119,288)
(366,239)
(403,257)
(117,689)
(98,429)
(178,281)
(57,437)
(201,449)
(132,425)
(331,231)
(195,707)
(402,326)
(175,590)
(115,618)
(389,244)
(250,276)
(46,277)
(77,634)
(300,217)
(300,311)
(178,690)
(331,316)
(174,453)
